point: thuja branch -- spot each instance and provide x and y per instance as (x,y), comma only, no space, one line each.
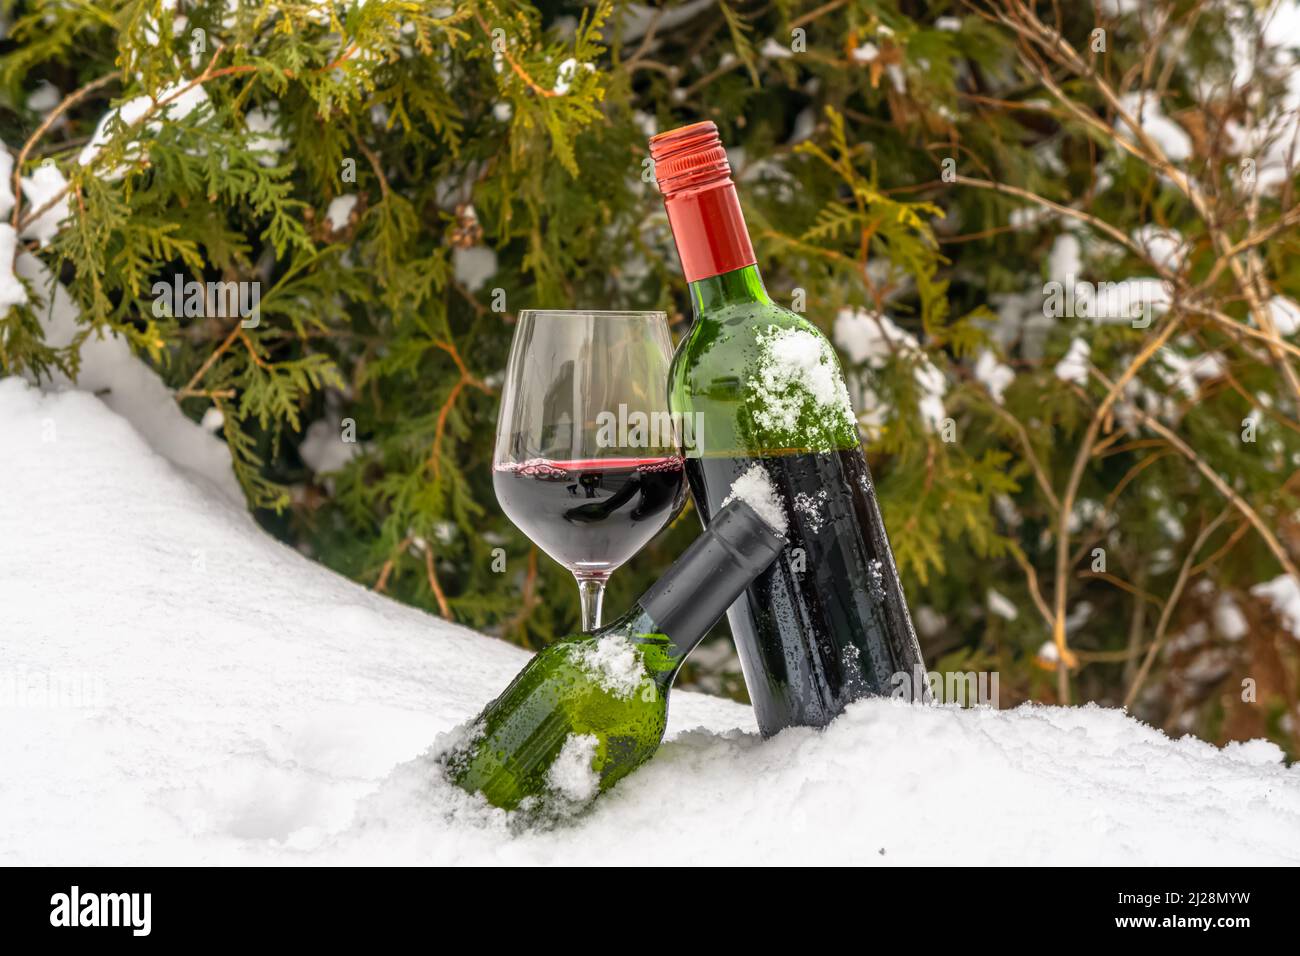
(465,379)
(1071,491)
(1040,475)
(1272,230)
(191,387)
(209,73)
(1123,585)
(1099,224)
(431,573)
(1240,503)
(518,70)
(1022,19)
(1166,612)
(829,7)
(69,101)
(373,159)
(434,585)
(1238,329)
(1031,578)
(520,617)
(386,570)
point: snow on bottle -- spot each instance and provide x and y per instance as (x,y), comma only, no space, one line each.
(591,708)
(827,623)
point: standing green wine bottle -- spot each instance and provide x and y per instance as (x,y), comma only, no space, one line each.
(591,708)
(827,623)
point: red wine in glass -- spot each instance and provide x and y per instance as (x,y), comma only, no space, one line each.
(591,515)
(587,460)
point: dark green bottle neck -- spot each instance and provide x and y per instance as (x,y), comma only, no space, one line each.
(738,287)
(673,616)
(662,653)
(729,554)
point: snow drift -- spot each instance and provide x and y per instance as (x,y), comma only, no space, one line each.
(176,687)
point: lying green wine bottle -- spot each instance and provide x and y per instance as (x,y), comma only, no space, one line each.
(590,709)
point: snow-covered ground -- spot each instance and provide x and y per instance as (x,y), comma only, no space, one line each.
(176,687)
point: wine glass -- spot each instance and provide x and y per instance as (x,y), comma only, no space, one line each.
(587,461)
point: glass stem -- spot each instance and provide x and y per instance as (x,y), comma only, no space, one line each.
(591,595)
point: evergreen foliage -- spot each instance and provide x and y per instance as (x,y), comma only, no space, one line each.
(492,157)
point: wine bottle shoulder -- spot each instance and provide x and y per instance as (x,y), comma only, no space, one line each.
(725,341)
(759,376)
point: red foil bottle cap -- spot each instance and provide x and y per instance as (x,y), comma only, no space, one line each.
(700,198)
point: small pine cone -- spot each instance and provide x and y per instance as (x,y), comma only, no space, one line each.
(466,231)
